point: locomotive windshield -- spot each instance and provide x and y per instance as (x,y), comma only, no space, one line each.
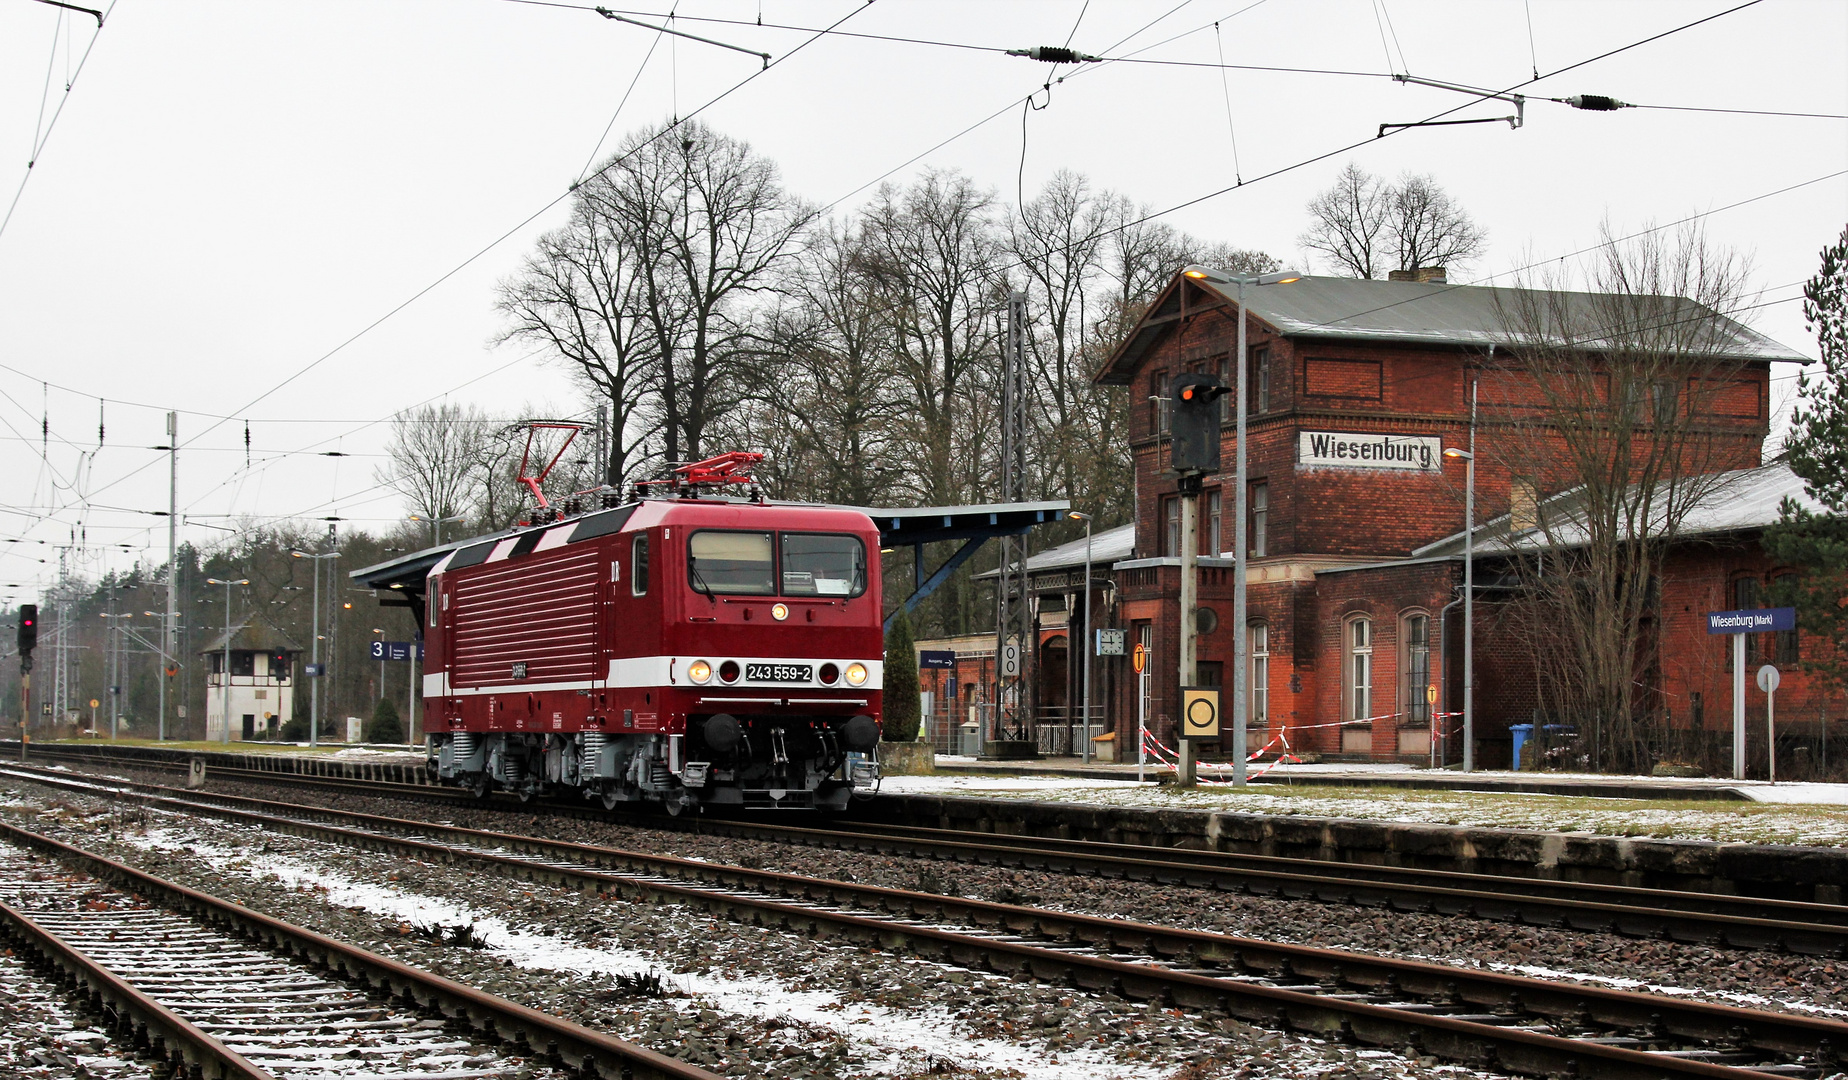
(740,563)
(745,564)
(820,564)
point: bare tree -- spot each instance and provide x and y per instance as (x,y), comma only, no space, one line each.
(1364,226)
(829,402)
(1428,228)
(930,256)
(708,223)
(581,296)
(438,458)
(1624,399)
(1348,224)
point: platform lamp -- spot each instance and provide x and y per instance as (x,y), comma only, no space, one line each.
(1469,599)
(436,525)
(314,710)
(1090,634)
(224,684)
(1241,634)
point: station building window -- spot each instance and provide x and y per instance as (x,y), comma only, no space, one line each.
(1213,539)
(1170,525)
(1359,669)
(1257,682)
(1259,503)
(1260,380)
(1158,401)
(1416,666)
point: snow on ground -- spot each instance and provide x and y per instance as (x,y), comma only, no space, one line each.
(888,1039)
(1804,814)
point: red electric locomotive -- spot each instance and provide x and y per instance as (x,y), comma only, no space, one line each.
(685,648)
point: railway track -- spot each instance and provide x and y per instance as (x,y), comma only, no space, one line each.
(1745,922)
(1484,1019)
(220,991)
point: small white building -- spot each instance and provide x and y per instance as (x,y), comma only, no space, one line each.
(260,687)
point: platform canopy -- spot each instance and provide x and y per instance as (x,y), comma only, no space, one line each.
(912,527)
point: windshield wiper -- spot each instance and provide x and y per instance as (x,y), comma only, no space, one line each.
(699,580)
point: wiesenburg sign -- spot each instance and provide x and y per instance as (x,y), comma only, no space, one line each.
(1739,624)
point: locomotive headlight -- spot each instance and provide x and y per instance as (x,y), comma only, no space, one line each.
(856,673)
(699,671)
(779,612)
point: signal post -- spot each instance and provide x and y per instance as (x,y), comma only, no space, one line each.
(28,640)
(1193,452)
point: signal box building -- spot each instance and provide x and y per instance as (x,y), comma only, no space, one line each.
(260,686)
(1355,516)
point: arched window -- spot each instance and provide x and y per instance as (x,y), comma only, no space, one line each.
(1360,669)
(1416,668)
(1257,684)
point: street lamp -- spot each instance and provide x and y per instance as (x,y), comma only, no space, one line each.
(1089,633)
(1468,457)
(436,525)
(224,683)
(1241,633)
(113,664)
(314,710)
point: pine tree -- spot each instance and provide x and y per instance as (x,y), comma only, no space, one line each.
(384,726)
(1817,450)
(901,683)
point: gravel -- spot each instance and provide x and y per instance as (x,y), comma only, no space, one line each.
(738,1000)
(1764,980)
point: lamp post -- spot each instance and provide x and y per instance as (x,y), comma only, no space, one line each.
(113,665)
(314,710)
(1090,634)
(224,681)
(1468,457)
(1241,634)
(436,525)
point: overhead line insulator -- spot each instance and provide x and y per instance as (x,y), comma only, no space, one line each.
(1597,103)
(1055,54)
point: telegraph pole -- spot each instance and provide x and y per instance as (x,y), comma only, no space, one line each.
(1013,612)
(173,567)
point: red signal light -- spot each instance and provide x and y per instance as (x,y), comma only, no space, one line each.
(1187,394)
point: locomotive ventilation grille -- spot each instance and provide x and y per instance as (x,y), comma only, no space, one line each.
(538,611)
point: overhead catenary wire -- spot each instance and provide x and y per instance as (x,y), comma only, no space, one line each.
(503,237)
(39,141)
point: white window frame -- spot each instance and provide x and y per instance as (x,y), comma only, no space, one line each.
(1414,681)
(1257,682)
(1359,636)
(1259,538)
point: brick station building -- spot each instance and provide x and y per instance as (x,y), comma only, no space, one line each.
(1355,519)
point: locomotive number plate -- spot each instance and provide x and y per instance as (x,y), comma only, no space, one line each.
(779,672)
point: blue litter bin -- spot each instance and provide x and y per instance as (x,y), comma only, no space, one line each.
(1521,733)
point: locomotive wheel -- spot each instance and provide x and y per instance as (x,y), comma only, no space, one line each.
(610,798)
(526,794)
(479,786)
(674,806)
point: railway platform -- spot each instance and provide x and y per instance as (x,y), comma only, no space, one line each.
(1408,777)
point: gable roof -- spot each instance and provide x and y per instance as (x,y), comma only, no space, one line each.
(1742,500)
(253,635)
(1411,312)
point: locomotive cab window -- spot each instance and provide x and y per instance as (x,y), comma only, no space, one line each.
(736,563)
(638,566)
(822,564)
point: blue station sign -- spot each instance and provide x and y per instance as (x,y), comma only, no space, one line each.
(936,658)
(396,650)
(1752,621)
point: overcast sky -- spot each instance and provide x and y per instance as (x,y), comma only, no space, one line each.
(239,193)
